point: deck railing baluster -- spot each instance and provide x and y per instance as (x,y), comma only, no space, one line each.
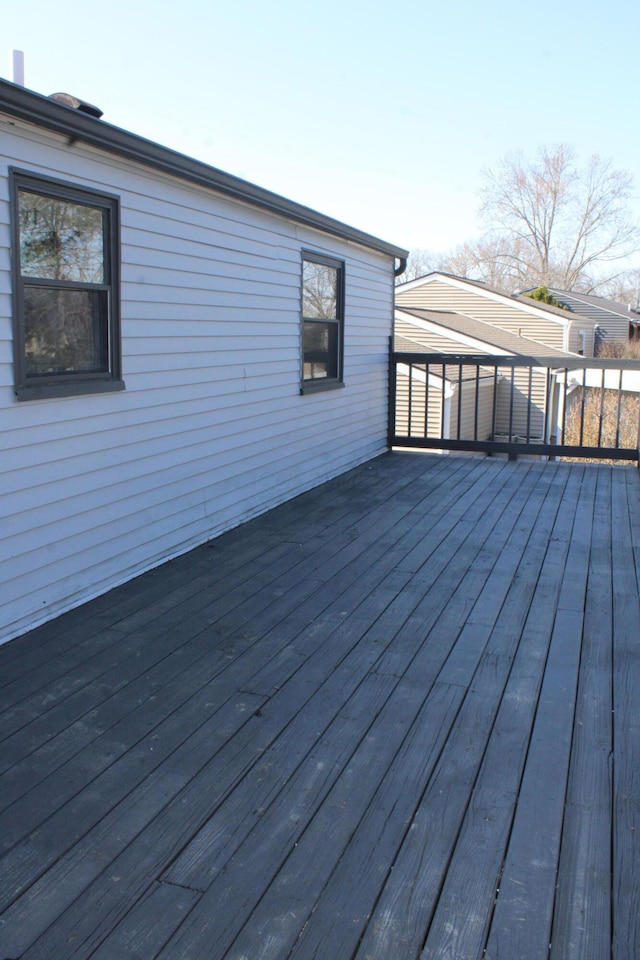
(582,405)
(529,404)
(426,400)
(574,421)
(477,404)
(601,423)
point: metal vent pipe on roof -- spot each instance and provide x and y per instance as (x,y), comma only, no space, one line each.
(81,105)
(18,67)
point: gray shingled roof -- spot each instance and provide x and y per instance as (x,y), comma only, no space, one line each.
(404,345)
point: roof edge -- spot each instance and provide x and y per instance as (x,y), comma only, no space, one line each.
(564,317)
(36,108)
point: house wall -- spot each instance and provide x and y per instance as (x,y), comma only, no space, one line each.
(211,428)
(525,410)
(467,410)
(579,344)
(439,295)
(411,396)
(611,326)
(529,402)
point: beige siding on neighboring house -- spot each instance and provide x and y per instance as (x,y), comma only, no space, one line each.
(581,338)
(439,295)
(529,390)
(467,408)
(411,394)
(529,403)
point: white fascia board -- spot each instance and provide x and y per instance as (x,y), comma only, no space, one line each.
(419,281)
(462,338)
(630,382)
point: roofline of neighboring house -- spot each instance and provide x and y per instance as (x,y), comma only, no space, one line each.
(466,339)
(471,340)
(23,104)
(533,307)
(628,313)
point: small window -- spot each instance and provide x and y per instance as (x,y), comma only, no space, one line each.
(322,321)
(66,259)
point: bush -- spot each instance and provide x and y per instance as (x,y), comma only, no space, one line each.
(543,295)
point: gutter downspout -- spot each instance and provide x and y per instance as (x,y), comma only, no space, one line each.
(400,269)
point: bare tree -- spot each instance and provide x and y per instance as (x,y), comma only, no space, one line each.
(419,263)
(625,288)
(556,222)
(489,259)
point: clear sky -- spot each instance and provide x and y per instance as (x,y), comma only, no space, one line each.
(379,114)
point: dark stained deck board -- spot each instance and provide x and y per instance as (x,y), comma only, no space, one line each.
(71,708)
(324,653)
(330,731)
(626,731)
(405,909)
(459,925)
(585,860)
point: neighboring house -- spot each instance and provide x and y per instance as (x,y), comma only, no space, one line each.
(428,403)
(524,407)
(179,351)
(551,326)
(616,321)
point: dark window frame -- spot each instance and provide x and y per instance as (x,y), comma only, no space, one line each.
(317,384)
(67,384)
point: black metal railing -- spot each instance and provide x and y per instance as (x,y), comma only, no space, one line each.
(582,407)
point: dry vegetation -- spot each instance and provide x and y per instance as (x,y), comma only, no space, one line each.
(620,350)
(608,426)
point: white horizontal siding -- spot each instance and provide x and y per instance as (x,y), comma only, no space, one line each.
(211,428)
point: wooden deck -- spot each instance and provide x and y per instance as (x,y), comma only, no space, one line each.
(396,718)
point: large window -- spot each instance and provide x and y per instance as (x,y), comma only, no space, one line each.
(66,296)
(322,321)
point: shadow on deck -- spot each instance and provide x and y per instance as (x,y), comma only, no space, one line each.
(395,718)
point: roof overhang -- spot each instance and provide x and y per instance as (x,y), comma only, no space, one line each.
(26,105)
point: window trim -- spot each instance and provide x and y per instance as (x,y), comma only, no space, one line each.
(319,384)
(66,384)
